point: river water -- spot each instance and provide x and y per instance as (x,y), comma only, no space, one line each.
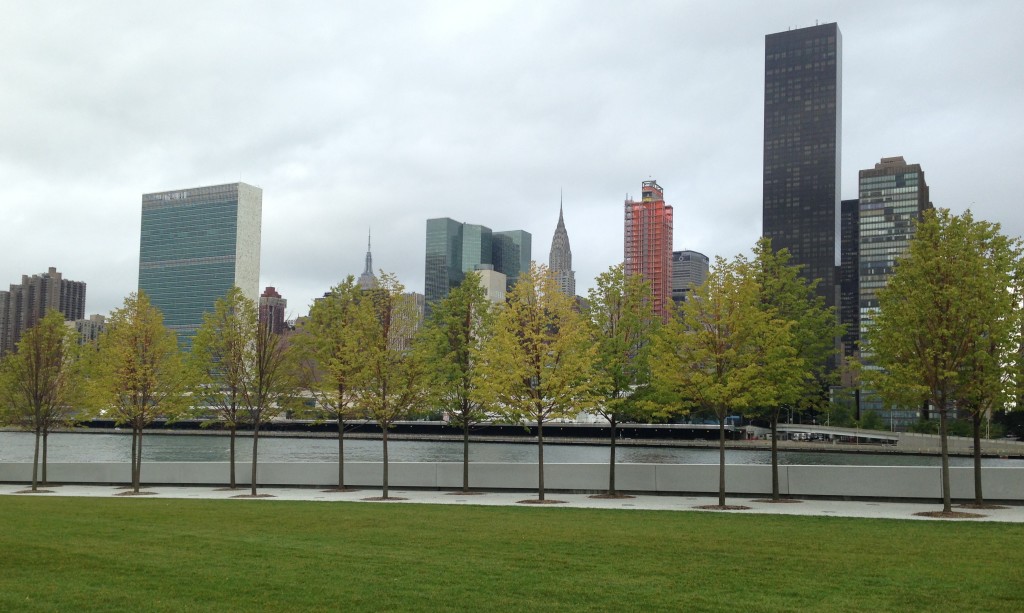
(97,447)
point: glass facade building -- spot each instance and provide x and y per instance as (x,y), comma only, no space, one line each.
(512,253)
(689,270)
(802,128)
(849,275)
(893,197)
(195,245)
(455,248)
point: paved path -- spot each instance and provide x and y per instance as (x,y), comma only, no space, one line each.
(821,508)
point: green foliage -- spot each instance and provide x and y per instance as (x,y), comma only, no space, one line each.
(622,321)
(40,382)
(871,420)
(331,347)
(137,374)
(728,350)
(270,381)
(537,365)
(394,385)
(947,326)
(457,325)
(723,351)
(125,553)
(841,413)
(788,297)
(218,357)
(243,367)
(949,302)
(955,427)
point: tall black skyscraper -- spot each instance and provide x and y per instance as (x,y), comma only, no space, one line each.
(849,276)
(802,119)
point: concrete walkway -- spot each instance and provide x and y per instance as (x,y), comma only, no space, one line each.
(820,508)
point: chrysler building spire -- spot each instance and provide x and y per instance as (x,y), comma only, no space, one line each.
(560,258)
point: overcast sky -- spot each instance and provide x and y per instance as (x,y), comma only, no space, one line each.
(360,115)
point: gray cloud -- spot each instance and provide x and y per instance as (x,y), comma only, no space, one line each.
(384,114)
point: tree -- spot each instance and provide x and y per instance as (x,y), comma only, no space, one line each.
(39,383)
(946,322)
(269,379)
(537,365)
(622,321)
(787,296)
(218,359)
(394,382)
(457,324)
(137,374)
(988,379)
(331,346)
(724,352)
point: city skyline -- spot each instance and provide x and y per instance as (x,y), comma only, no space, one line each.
(456,117)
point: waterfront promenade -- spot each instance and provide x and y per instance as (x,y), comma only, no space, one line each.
(814,507)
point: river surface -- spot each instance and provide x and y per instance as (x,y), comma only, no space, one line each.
(95,447)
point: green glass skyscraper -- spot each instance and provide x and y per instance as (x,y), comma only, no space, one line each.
(455,248)
(512,250)
(196,244)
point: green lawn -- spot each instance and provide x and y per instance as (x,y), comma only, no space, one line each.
(75,554)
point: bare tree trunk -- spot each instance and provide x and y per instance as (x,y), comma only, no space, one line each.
(465,455)
(138,465)
(234,428)
(540,459)
(341,452)
(384,439)
(255,449)
(35,462)
(135,451)
(976,422)
(774,416)
(721,459)
(46,434)
(946,506)
(611,458)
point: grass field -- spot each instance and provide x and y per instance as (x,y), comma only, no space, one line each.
(80,554)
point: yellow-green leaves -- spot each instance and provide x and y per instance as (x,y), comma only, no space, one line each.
(332,344)
(448,342)
(946,328)
(723,351)
(39,382)
(538,363)
(137,373)
(622,321)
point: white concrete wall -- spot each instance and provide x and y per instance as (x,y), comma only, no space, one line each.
(247,240)
(838,481)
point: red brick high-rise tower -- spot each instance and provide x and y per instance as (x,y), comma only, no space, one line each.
(648,243)
(272,307)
